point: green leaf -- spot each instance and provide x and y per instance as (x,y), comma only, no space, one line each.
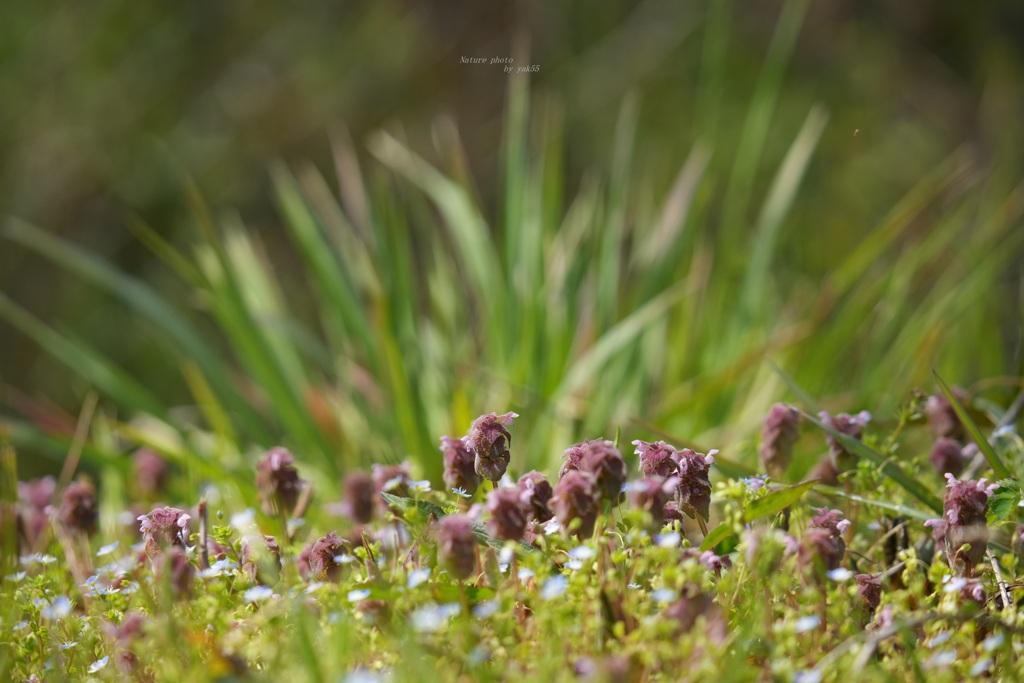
(716,536)
(891,469)
(777,501)
(1005,499)
(998,466)
(885,505)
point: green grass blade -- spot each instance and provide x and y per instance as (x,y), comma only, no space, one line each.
(891,469)
(997,464)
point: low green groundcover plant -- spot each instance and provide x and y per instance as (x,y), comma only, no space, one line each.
(875,567)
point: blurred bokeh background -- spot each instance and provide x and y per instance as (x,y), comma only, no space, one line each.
(111,109)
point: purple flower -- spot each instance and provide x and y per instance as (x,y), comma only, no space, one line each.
(964,515)
(151,472)
(657,459)
(507,519)
(35,496)
(78,508)
(778,436)
(164,527)
(869,590)
(652,494)
(456,545)
(320,554)
(278,482)
(576,497)
(971,591)
(826,471)
(823,545)
(694,492)
(832,520)
(393,479)
(535,494)
(360,496)
(490,439)
(942,418)
(948,457)
(850,425)
(601,459)
(459,465)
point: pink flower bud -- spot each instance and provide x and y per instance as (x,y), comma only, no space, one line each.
(163,528)
(490,440)
(576,497)
(535,494)
(78,508)
(459,465)
(779,435)
(360,497)
(948,457)
(850,425)
(456,546)
(278,481)
(507,519)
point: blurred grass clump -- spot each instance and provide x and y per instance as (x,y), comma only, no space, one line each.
(409,288)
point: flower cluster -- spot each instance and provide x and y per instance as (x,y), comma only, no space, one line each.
(691,470)
(963,528)
(278,482)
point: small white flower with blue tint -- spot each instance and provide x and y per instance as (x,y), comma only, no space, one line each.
(67,645)
(344,558)
(808,623)
(295,524)
(525,574)
(663,595)
(258,594)
(243,521)
(461,492)
(486,609)
(980,667)
(38,558)
(423,485)
(15,577)
(107,549)
(551,527)
(217,568)
(993,641)
(314,586)
(633,586)
(840,574)
(358,594)
(554,587)
(20,626)
(582,553)
(574,565)
(418,576)
(811,676)
(941,660)
(669,540)
(98,664)
(433,618)
(58,609)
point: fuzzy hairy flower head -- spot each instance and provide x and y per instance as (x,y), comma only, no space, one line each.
(948,457)
(456,545)
(966,533)
(360,495)
(576,497)
(151,472)
(778,436)
(459,465)
(535,493)
(869,590)
(78,509)
(942,418)
(321,554)
(694,491)
(507,519)
(490,440)
(602,460)
(652,494)
(163,528)
(657,459)
(278,481)
(831,520)
(972,592)
(850,425)
(821,549)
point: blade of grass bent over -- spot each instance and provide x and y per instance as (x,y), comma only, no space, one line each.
(998,466)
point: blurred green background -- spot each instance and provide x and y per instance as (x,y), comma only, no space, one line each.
(853,192)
